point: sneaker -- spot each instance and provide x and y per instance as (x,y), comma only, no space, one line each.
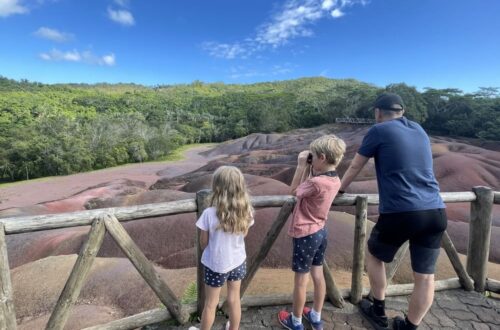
(399,323)
(285,319)
(378,322)
(314,325)
(193,328)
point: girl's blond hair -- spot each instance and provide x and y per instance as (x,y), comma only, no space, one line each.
(231,200)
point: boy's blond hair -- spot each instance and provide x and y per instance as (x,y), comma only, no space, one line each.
(231,200)
(331,146)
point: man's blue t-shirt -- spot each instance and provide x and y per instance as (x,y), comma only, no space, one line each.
(403,161)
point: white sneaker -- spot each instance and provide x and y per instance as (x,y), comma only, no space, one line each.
(227,325)
(193,328)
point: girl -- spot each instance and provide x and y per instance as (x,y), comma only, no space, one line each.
(223,228)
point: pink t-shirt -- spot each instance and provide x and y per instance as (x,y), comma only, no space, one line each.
(314,198)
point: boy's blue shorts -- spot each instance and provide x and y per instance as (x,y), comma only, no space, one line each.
(309,251)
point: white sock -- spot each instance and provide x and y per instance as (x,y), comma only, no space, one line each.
(296,320)
(315,316)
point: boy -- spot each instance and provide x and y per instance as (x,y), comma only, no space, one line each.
(315,195)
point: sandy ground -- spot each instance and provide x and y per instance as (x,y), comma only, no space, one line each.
(28,193)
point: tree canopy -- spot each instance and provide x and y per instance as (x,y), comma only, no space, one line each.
(68,128)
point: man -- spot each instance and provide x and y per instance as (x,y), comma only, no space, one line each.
(410,208)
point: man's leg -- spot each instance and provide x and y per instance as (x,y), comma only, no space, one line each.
(376,274)
(299,293)
(421,298)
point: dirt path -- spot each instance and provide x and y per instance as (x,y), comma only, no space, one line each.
(34,192)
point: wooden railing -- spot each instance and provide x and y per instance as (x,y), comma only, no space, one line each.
(357,121)
(102,220)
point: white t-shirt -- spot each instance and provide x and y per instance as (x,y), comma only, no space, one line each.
(225,251)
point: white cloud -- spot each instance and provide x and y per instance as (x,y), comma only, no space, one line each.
(75,56)
(11,7)
(53,34)
(226,51)
(290,23)
(121,16)
(108,60)
(328,4)
(295,19)
(336,13)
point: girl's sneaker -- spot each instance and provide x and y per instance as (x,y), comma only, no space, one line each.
(306,313)
(285,319)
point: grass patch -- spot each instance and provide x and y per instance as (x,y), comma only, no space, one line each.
(175,155)
(178,154)
(190,294)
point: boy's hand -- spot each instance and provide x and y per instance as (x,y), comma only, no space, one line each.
(302,159)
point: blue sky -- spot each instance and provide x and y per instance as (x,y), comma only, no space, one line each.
(424,43)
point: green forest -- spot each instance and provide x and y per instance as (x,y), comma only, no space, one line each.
(68,128)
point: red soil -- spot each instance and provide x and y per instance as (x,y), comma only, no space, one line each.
(268,162)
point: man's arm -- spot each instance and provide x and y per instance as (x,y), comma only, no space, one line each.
(302,172)
(356,166)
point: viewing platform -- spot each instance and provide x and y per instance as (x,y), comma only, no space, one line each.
(468,301)
(452,309)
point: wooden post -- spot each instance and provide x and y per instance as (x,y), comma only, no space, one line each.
(493,285)
(392,267)
(464,278)
(269,240)
(7,312)
(332,291)
(359,249)
(146,269)
(140,320)
(203,199)
(479,236)
(78,275)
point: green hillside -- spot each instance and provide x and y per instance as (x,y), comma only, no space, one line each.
(68,128)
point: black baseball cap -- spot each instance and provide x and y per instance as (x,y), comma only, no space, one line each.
(389,101)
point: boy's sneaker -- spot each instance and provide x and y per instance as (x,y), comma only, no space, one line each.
(285,319)
(378,322)
(306,313)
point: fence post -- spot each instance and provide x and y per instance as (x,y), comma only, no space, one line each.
(359,249)
(479,236)
(76,279)
(202,201)
(7,312)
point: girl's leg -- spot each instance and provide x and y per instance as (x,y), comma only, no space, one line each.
(299,293)
(234,304)
(211,301)
(319,287)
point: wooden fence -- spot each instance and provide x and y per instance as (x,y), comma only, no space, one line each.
(355,121)
(473,277)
